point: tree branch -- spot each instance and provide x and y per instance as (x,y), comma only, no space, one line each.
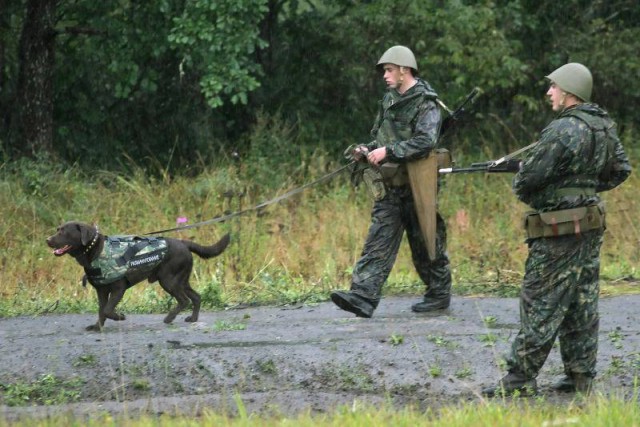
(81,31)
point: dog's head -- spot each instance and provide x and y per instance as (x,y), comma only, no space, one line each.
(74,238)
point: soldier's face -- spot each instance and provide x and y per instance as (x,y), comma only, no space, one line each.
(556,97)
(392,76)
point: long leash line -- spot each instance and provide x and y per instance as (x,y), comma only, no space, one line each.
(256,207)
(469,99)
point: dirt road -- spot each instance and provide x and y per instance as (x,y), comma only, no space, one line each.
(289,359)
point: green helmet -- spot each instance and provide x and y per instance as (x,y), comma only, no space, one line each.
(573,78)
(399,55)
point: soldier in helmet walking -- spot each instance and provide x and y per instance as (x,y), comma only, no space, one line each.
(406,129)
(578,156)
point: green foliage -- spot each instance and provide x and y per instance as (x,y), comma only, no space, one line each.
(119,92)
(140,384)
(211,294)
(85,360)
(47,390)
(488,340)
(179,86)
(464,373)
(217,41)
(435,370)
(599,34)
(224,325)
(440,341)
(345,377)
(490,321)
(616,338)
(593,412)
(293,252)
(396,339)
(266,367)
(458,46)
(273,144)
(33,175)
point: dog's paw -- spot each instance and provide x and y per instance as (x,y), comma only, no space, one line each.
(169,319)
(191,319)
(94,328)
(115,316)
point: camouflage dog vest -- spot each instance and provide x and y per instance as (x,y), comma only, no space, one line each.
(129,257)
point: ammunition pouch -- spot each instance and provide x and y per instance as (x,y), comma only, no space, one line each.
(374,182)
(444,158)
(396,175)
(564,222)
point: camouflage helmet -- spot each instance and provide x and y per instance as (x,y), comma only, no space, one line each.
(573,78)
(399,55)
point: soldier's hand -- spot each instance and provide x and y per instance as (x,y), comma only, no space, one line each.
(513,165)
(377,155)
(360,152)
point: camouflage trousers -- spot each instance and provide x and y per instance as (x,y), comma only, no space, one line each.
(391,216)
(559,298)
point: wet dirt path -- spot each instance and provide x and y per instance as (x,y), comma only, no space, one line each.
(291,359)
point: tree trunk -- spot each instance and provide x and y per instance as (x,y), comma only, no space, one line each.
(4,115)
(34,102)
(4,28)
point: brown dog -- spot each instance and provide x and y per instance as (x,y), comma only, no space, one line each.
(114,264)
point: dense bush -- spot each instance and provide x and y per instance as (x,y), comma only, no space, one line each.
(180,85)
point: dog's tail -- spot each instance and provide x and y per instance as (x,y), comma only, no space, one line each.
(208,251)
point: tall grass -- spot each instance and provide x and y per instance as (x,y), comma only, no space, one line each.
(598,412)
(296,250)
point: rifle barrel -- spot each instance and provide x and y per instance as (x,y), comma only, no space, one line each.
(462,170)
(473,168)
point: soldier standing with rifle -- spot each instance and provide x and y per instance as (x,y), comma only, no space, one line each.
(406,129)
(578,156)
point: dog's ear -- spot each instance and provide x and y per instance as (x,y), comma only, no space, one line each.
(87,234)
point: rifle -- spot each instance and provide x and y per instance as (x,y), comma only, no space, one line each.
(505,165)
(456,115)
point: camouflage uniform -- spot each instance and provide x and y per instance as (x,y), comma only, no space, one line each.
(580,151)
(408,126)
(130,257)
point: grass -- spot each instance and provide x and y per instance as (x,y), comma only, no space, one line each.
(595,411)
(223,325)
(47,390)
(396,339)
(297,250)
(488,340)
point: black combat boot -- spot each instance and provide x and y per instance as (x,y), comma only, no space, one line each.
(511,383)
(580,383)
(431,304)
(353,303)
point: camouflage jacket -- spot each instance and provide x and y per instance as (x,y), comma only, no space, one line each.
(408,124)
(579,149)
(129,257)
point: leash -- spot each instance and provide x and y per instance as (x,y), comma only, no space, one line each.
(257,207)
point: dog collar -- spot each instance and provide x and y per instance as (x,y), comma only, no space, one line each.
(93,242)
